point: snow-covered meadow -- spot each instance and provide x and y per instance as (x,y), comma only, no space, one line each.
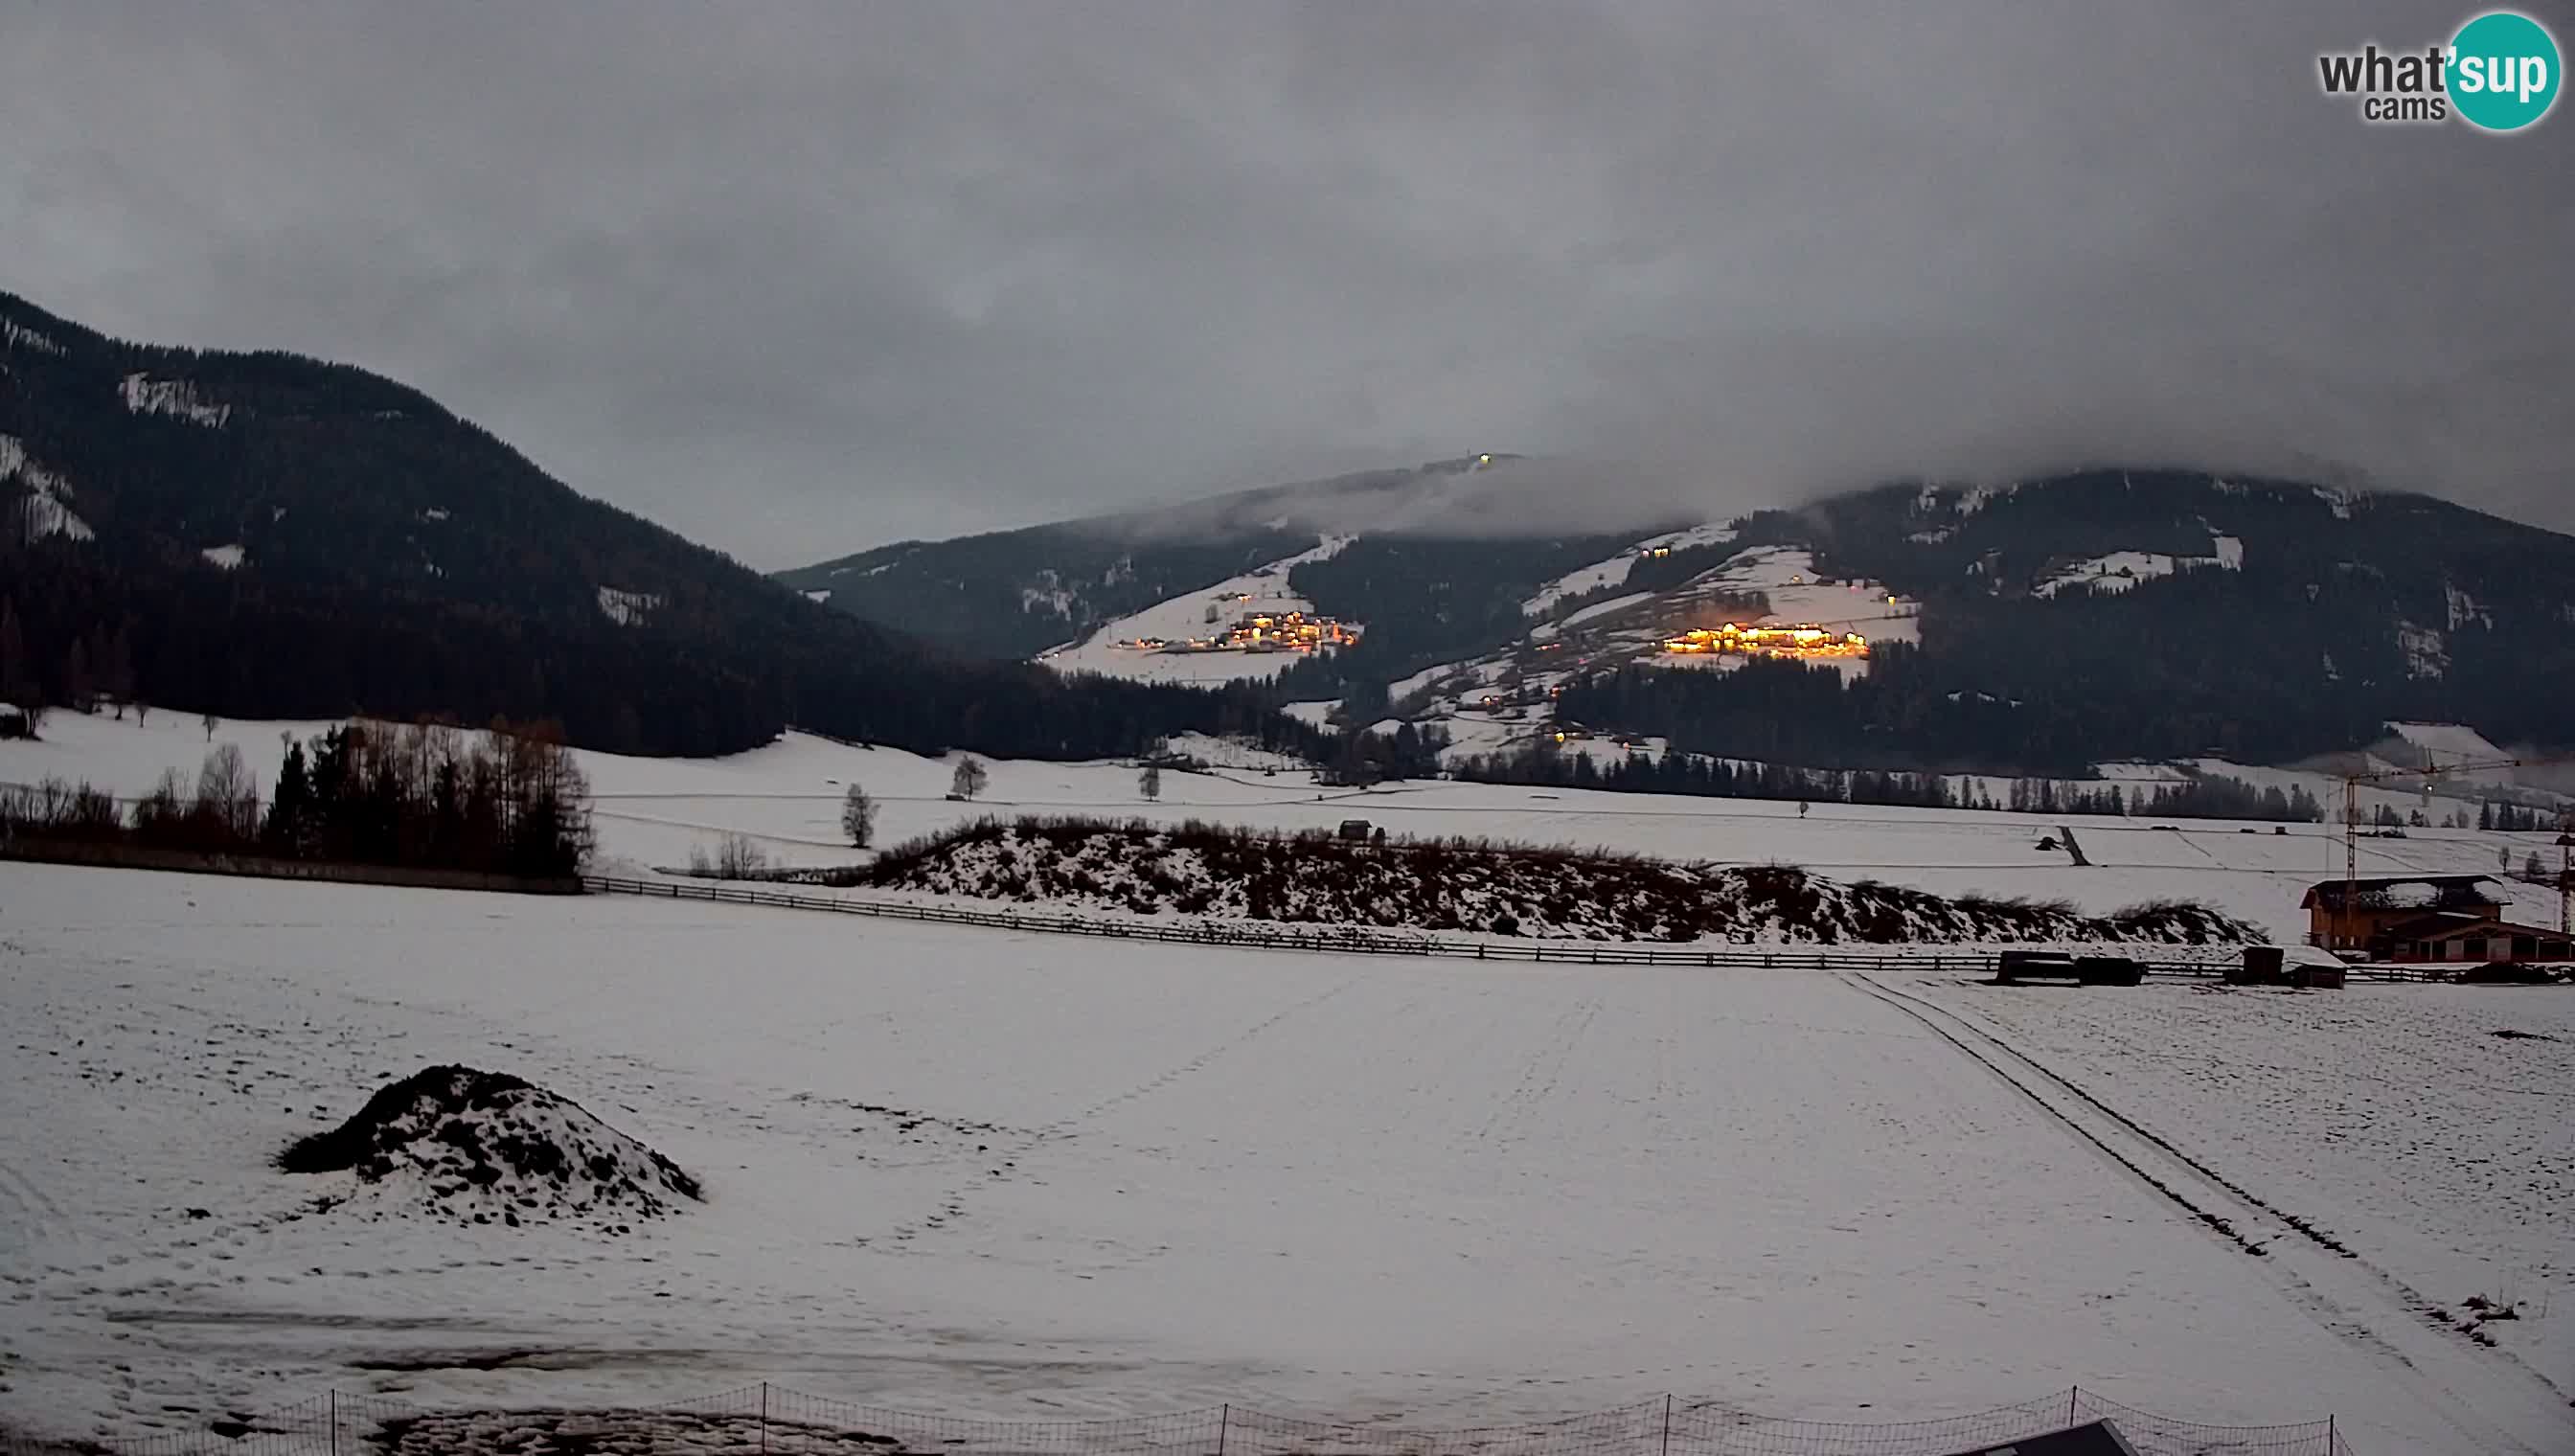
(650,813)
(976,1173)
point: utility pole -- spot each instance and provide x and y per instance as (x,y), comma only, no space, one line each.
(2350,853)
(2432,772)
(2566,874)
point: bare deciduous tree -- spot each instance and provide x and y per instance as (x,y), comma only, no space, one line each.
(1150,783)
(166,806)
(858,816)
(208,723)
(970,778)
(228,794)
(736,857)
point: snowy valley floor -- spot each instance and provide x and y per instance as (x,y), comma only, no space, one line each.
(787,798)
(972,1172)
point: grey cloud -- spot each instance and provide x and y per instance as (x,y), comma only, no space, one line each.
(798,280)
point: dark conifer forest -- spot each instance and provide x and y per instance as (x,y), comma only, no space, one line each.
(268,535)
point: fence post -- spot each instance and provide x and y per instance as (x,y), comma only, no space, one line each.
(2073,1393)
(1224,1425)
(335,1421)
(1667,1449)
(764,1415)
(2333,1442)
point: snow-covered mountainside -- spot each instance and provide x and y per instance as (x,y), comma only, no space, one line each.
(2102,615)
(1198,869)
(2122,570)
(177,397)
(1015,593)
(267,535)
(43,505)
(1192,638)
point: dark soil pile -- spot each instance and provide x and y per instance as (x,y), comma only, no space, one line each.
(470,1147)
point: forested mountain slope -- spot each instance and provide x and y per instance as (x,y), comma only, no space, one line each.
(264,534)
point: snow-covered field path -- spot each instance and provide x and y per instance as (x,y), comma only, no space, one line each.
(972,1172)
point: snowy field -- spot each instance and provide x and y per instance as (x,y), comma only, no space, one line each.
(651,811)
(977,1173)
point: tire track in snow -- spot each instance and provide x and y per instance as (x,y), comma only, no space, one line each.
(999,1161)
(25,1204)
(1540,1076)
(2205,1195)
(2429,1310)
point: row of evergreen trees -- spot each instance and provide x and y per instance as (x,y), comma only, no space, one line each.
(2200,797)
(510,800)
(2512,818)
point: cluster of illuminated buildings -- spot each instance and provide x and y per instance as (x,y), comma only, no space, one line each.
(1805,641)
(1260,632)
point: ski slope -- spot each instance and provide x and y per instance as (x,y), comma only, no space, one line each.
(1181,618)
(976,1173)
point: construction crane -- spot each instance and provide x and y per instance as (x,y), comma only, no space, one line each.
(2566,874)
(2431,775)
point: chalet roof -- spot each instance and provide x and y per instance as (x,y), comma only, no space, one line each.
(2410,893)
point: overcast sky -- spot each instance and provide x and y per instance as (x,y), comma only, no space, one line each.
(797,280)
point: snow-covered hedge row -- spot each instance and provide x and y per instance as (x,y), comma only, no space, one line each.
(1313,878)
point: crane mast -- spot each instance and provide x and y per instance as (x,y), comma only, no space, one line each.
(2431,775)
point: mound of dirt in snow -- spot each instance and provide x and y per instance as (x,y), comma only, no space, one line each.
(470,1147)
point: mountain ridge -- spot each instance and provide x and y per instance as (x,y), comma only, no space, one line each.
(267,535)
(2175,611)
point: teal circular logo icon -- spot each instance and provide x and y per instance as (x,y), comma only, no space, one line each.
(2503,71)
